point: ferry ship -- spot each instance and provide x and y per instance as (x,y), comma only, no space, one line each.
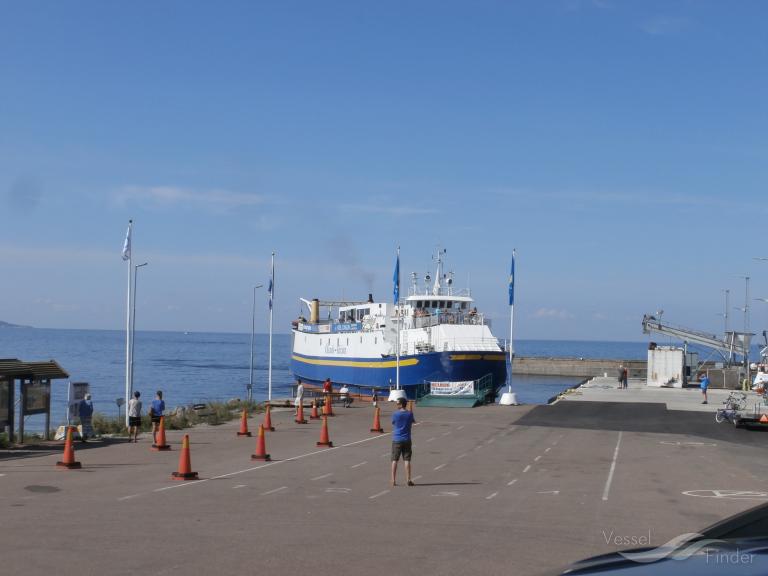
(440,334)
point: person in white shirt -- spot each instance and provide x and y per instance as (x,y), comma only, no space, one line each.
(299,397)
(134,417)
(345,398)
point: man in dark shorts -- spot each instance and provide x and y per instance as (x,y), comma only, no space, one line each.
(402,420)
(156,412)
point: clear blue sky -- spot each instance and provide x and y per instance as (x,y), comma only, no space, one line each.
(619,146)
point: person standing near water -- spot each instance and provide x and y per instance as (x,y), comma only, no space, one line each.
(85,411)
(402,421)
(155,413)
(134,417)
(299,397)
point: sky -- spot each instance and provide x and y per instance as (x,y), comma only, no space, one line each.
(619,147)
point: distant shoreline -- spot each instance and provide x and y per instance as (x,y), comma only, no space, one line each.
(9,325)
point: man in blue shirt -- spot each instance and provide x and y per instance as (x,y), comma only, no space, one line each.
(85,411)
(402,420)
(155,413)
(704,385)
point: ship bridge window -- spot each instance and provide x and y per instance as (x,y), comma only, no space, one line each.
(449,304)
(442,304)
(463,305)
(433,304)
(419,304)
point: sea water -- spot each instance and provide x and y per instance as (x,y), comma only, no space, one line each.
(199,367)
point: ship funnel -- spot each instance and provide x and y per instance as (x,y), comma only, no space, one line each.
(314,311)
(370,298)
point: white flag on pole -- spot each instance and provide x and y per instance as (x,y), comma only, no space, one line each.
(127,243)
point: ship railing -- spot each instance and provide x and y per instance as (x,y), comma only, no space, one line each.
(452,345)
(460,318)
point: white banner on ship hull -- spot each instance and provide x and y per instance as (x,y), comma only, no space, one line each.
(452,388)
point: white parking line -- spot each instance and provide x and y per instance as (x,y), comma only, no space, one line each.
(378,494)
(439,467)
(323,476)
(537,458)
(417,477)
(547,449)
(613,468)
(460,427)
(526,468)
(478,447)
(511,482)
(360,464)
(491,496)
(446,433)
(274,491)
(490,440)
(460,456)
(128,497)
(431,439)
(238,486)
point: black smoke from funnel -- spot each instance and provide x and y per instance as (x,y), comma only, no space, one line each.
(344,251)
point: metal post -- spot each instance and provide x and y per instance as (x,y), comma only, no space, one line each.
(253,330)
(127,255)
(133,317)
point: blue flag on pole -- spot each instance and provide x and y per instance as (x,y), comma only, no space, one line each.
(396,278)
(512,281)
(271,289)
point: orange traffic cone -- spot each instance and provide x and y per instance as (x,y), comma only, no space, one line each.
(69,452)
(376,422)
(324,441)
(268,419)
(261,448)
(300,414)
(185,465)
(314,415)
(328,406)
(244,424)
(160,443)
(763,418)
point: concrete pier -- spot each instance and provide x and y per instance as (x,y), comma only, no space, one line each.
(577,367)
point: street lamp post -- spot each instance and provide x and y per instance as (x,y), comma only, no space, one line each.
(253,330)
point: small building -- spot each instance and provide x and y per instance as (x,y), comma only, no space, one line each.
(34,389)
(670,366)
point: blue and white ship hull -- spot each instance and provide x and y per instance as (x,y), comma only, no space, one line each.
(367,373)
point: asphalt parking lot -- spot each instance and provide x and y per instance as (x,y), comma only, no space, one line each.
(499,490)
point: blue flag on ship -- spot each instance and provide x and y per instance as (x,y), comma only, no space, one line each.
(396,279)
(271,285)
(512,281)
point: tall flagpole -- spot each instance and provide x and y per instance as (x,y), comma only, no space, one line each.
(128,258)
(253,329)
(397,316)
(511,320)
(271,305)
(509,398)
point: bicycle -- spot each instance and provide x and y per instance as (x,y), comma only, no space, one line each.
(735,402)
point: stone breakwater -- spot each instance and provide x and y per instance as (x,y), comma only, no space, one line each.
(576,367)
